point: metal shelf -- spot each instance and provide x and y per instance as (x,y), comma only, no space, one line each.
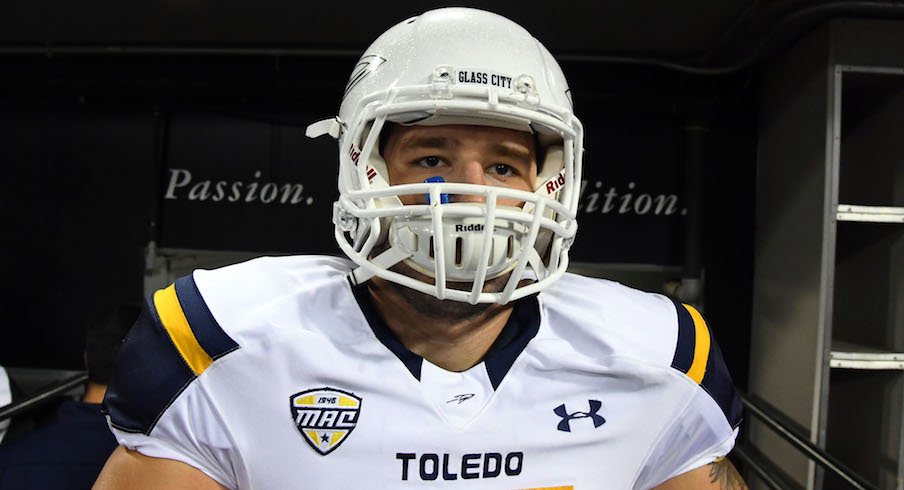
(870,214)
(846,355)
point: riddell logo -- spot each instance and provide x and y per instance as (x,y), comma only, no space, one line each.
(555,184)
(471,227)
(354,153)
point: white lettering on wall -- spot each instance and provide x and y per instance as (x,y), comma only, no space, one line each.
(181,185)
(626,201)
(178,178)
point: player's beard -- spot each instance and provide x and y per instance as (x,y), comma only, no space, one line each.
(433,307)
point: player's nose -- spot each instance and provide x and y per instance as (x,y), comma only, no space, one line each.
(469,172)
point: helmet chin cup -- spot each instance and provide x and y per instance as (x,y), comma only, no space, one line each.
(462,247)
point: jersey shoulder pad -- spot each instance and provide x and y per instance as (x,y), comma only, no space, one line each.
(174,340)
(698,356)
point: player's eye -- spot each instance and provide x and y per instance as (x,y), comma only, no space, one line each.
(430,161)
(502,170)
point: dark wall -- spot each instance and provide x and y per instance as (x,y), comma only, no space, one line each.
(76,201)
(91,143)
(729,176)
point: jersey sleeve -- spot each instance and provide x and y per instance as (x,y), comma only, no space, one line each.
(156,403)
(706,428)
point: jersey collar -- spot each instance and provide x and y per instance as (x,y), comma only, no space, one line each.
(522,326)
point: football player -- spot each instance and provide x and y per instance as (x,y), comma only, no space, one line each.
(452,350)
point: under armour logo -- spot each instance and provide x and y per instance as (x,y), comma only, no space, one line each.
(565,423)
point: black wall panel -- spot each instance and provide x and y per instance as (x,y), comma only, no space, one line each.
(77,193)
(100,156)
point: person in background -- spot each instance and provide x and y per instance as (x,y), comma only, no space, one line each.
(70,450)
(5,399)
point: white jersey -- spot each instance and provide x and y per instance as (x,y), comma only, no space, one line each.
(277,374)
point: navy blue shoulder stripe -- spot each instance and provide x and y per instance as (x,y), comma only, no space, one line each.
(174,340)
(215,342)
(148,374)
(720,387)
(697,355)
(684,350)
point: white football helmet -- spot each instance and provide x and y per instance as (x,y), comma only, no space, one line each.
(457,66)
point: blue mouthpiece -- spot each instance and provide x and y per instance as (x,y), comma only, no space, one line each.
(443,198)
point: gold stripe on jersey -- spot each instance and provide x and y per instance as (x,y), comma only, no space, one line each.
(701,346)
(173,319)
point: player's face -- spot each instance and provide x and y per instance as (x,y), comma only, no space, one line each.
(463,154)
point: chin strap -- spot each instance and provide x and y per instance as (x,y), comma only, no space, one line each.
(385,260)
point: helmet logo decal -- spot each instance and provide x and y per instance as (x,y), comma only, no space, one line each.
(484,78)
(366,65)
